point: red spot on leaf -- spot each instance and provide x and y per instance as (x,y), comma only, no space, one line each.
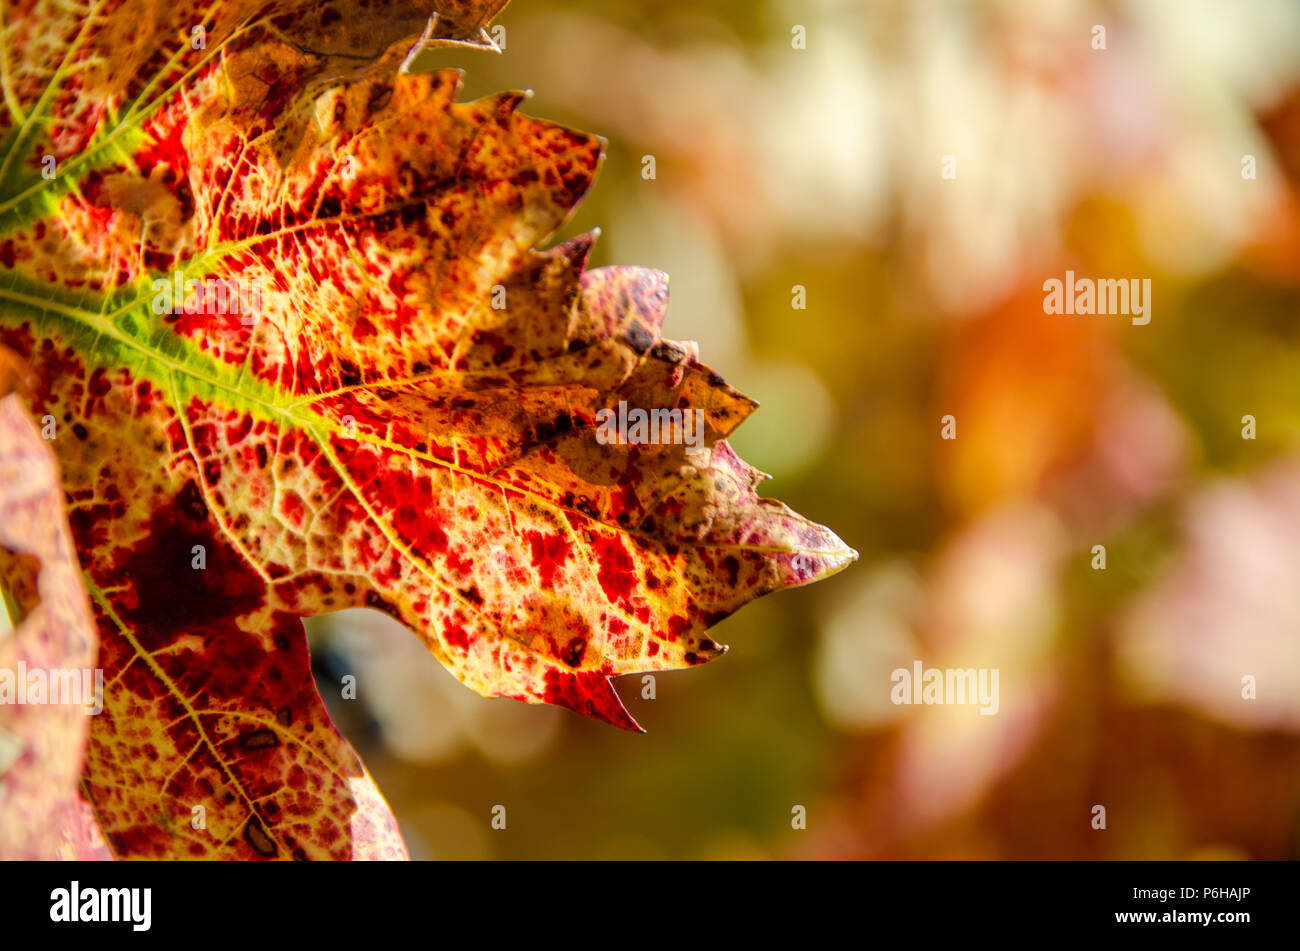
(549,553)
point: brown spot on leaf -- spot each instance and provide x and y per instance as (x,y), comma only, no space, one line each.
(255,835)
(259,739)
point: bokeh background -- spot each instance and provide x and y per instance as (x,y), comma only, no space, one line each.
(820,167)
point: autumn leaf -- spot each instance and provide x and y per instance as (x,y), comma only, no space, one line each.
(280,297)
(41,744)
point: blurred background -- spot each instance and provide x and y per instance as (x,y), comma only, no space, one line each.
(820,167)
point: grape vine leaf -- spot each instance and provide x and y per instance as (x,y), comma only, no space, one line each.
(281,298)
